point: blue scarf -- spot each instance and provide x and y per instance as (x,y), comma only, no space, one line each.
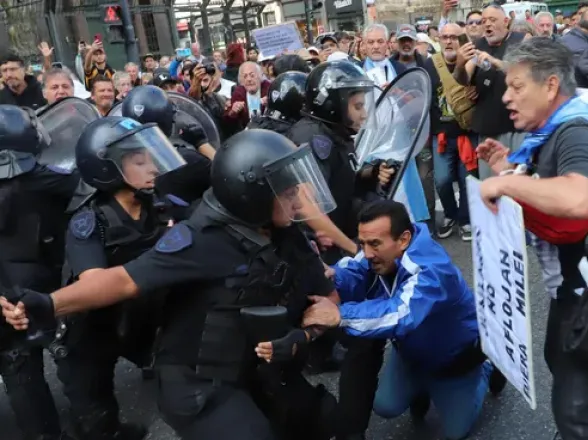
(369,65)
(571,109)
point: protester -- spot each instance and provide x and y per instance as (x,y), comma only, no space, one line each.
(250,96)
(474,29)
(544,25)
(252,54)
(122,85)
(149,62)
(96,64)
(103,95)
(20,89)
(577,41)
(408,55)
(133,70)
(380,69)
(196,57)
(57,84)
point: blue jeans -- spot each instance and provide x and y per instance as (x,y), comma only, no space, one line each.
(448,168)
(457,400)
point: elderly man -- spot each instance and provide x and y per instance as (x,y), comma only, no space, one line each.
(196,56)
(133,70)
(407,41)
(380,69)
(481,65)
(250,96)
(548,175)
(544,24)
(403,286)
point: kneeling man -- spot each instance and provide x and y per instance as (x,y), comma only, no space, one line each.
(404,287)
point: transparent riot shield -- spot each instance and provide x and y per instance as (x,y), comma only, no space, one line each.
(64,122)
(189,112)
(398,127)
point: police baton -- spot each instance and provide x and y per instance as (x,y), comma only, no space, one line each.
(13,293)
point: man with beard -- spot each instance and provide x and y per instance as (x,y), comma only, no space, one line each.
(407,53)
(20,89)
(403,286)
(544,25)
(480,64)
(453,147)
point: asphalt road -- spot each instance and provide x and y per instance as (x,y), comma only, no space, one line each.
(507,417)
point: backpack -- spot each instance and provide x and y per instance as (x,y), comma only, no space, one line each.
(455,93)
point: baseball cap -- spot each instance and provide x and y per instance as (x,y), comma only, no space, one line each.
(406,31)
(327,37)
(162,77)
(312,49)
(148,55)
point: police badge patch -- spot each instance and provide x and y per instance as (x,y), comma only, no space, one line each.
(138,110)
(177,238)
(321,146)
(83,224)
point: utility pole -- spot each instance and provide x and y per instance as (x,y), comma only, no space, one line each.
(308,13)
(129,30)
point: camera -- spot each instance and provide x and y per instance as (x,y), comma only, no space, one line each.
(210,69)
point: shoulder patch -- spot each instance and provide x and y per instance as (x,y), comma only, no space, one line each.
(176,200)
(83,224)
(321,146)
(59,170)
(177,238)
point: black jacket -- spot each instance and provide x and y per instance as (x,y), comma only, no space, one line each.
(32,96)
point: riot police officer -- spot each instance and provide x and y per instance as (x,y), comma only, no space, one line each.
(338,95)
(121,159)
(150,104)
(33,199)
(239,249)
(285,99)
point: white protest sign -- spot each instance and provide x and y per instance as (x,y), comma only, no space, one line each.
(273,40)
(501,288)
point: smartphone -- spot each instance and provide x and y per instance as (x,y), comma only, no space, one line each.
(463,39)
(98,38)
(57,65)
(452,3)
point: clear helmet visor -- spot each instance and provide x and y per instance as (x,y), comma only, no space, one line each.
(144,156)
(299,186)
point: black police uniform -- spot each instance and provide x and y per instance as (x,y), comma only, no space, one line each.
(217,263)
(101,235)
(33,200)
(285,101)
(324,129)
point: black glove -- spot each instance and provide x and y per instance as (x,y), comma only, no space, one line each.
(195,135)
(285,348)
(39,308)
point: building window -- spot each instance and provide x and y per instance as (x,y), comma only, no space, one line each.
(269,18)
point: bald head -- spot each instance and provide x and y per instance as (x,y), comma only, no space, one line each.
(448,36)
(195,49)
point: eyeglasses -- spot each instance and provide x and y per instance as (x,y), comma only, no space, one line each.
(474,22)
(448,37)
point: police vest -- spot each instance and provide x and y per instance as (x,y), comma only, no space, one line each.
(32,225)
(222,350)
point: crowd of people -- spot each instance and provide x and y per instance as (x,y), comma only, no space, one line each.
(229,256)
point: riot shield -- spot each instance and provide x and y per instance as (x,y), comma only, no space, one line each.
(65,121)
(398,127)
(189,112)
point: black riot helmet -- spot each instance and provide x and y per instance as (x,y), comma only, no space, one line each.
(339,92)
(115,153)
(285,97)
(255,168)
(21,131)
(147,104)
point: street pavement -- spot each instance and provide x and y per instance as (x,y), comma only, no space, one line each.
(507,417)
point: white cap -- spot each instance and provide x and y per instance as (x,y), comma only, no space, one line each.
(337,56)
(424,38)
(261,58)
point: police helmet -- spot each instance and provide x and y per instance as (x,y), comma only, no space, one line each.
(339,92)
(21,131)
(150,104)
(286,96)
(108,144)
(256,167)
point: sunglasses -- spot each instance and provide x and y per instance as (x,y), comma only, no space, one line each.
(474,22)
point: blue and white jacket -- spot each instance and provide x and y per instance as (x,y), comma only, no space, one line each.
(428,308)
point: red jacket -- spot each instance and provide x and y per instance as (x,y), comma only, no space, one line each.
(240,95)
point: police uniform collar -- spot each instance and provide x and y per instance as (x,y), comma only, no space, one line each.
(215,211)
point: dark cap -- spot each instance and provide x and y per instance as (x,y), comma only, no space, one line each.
(162,77)
(148,55)
(324,38)
(406,31)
